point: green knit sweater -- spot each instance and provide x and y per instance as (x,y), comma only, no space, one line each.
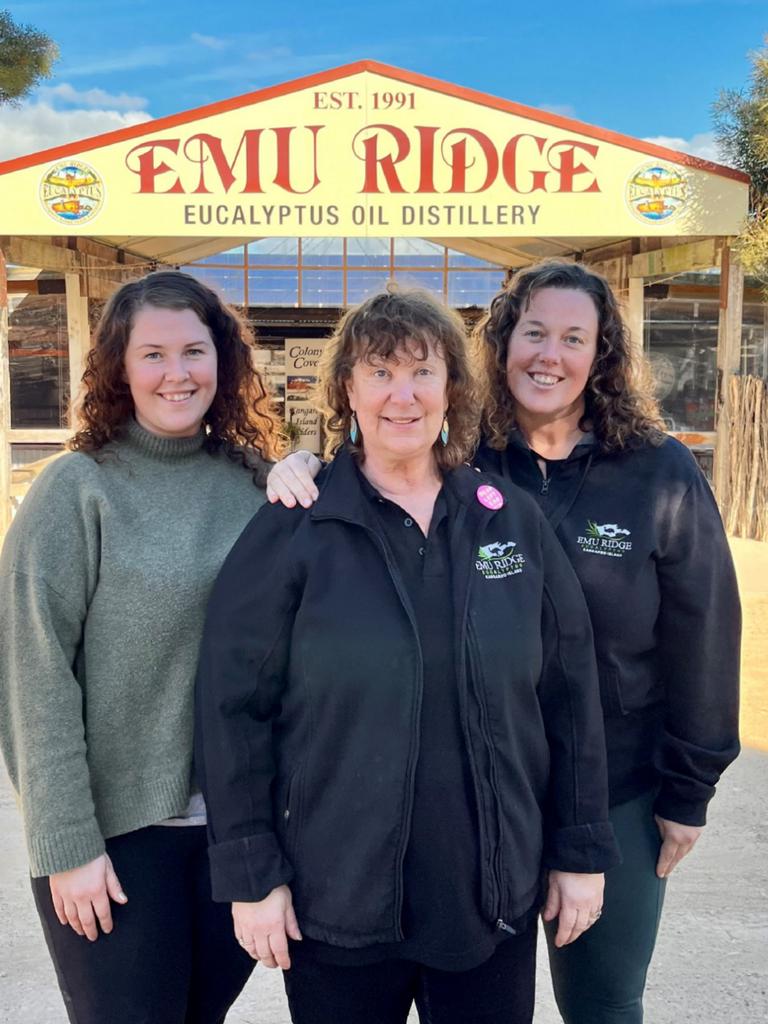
(104,579)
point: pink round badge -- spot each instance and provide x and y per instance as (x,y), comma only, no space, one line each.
(489,497)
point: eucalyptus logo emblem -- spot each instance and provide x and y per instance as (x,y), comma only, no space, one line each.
(497,561)
(605,539)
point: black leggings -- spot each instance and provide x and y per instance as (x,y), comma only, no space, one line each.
(171,957)
(499,991)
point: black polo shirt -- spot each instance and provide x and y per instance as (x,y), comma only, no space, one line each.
(441,919)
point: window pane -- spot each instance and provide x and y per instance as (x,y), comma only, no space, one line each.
(461,259)
(282,252)
(418,252)
(230,284)
(321,288)
(322,252)
(273,288)
(27,462)
(368,252)
(431,280)
(231,256)
(39,361)
(362,283)
(473,287)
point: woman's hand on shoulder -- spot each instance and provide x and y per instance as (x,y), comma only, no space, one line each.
(81,896)
(263,928)
(576,900)
(292,480)
(677,841)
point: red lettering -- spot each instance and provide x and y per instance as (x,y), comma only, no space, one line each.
(148,170)
(210,148)
(427,161)
(567,168)
(460,165)
(386,163)
(509,165)
(283,176)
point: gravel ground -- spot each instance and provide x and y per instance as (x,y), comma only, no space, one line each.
(711,965)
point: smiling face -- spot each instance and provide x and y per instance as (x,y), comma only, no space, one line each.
(550,354)
(170,367)
(399,403)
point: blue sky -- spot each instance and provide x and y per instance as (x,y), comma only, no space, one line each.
(649,68)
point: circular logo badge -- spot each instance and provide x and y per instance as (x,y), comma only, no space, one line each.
(657,192)
(71,192)
(489,497)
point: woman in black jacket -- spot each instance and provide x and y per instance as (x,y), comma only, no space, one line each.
(566,420)
(399,726)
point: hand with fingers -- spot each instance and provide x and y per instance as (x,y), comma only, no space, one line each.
(81,896)
(263,928)
(292,480)
(677,841)
(576,900)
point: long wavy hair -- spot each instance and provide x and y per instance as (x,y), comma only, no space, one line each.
(240,418)
(390,325)
(619,406)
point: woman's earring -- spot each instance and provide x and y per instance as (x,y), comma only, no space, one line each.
(444,431)
(353,430)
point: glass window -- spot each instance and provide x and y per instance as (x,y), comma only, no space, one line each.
(322,288)
(368,252)
(283,252)
(322,252)
(418,252)
(681,343)
(38,361)
(273,287)
(228,282)
(461,259)
(754,340)
(431,280)
(362,283)
(235,257)
(473,287)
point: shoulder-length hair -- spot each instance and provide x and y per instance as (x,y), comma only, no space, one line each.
(394,324)
(619,406)
(241,415)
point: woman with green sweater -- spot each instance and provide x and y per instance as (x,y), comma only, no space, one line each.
(104,579)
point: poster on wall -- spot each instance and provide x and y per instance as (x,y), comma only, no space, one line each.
(302,420)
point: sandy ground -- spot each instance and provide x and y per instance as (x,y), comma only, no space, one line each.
(711,965)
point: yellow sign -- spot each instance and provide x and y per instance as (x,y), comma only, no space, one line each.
(368,150)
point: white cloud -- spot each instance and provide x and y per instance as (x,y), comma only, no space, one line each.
(563,109)
(36,125)
(212,42)
(100,98)
(152,56)
(702,144)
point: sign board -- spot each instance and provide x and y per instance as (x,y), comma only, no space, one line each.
(368,150)
(302,356)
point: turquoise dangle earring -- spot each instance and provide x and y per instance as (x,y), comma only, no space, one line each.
(353,430)
(444,431)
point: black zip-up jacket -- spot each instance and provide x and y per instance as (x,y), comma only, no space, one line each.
(643,532)
(309,695)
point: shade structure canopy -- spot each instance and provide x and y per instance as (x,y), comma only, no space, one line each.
(368,150)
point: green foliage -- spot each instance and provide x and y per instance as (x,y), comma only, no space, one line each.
(741,129)
(26,56)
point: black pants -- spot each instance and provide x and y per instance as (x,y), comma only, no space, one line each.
(499,991)
(171,957)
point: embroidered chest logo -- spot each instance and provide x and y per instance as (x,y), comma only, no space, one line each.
(607,539)
(498,560)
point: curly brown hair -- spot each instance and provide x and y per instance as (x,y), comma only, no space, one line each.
(386,326)
(240,418)
(619,406)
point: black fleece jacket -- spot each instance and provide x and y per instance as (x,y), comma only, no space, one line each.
(643,532)
(309,694)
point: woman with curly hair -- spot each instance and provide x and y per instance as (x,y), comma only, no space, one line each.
(566,418)
(399,718)
(103,582)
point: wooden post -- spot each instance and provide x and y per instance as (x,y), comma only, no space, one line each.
(5,404)
(636,314)
(728,361)
(78,333)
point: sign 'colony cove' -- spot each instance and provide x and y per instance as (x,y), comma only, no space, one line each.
(367,150)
